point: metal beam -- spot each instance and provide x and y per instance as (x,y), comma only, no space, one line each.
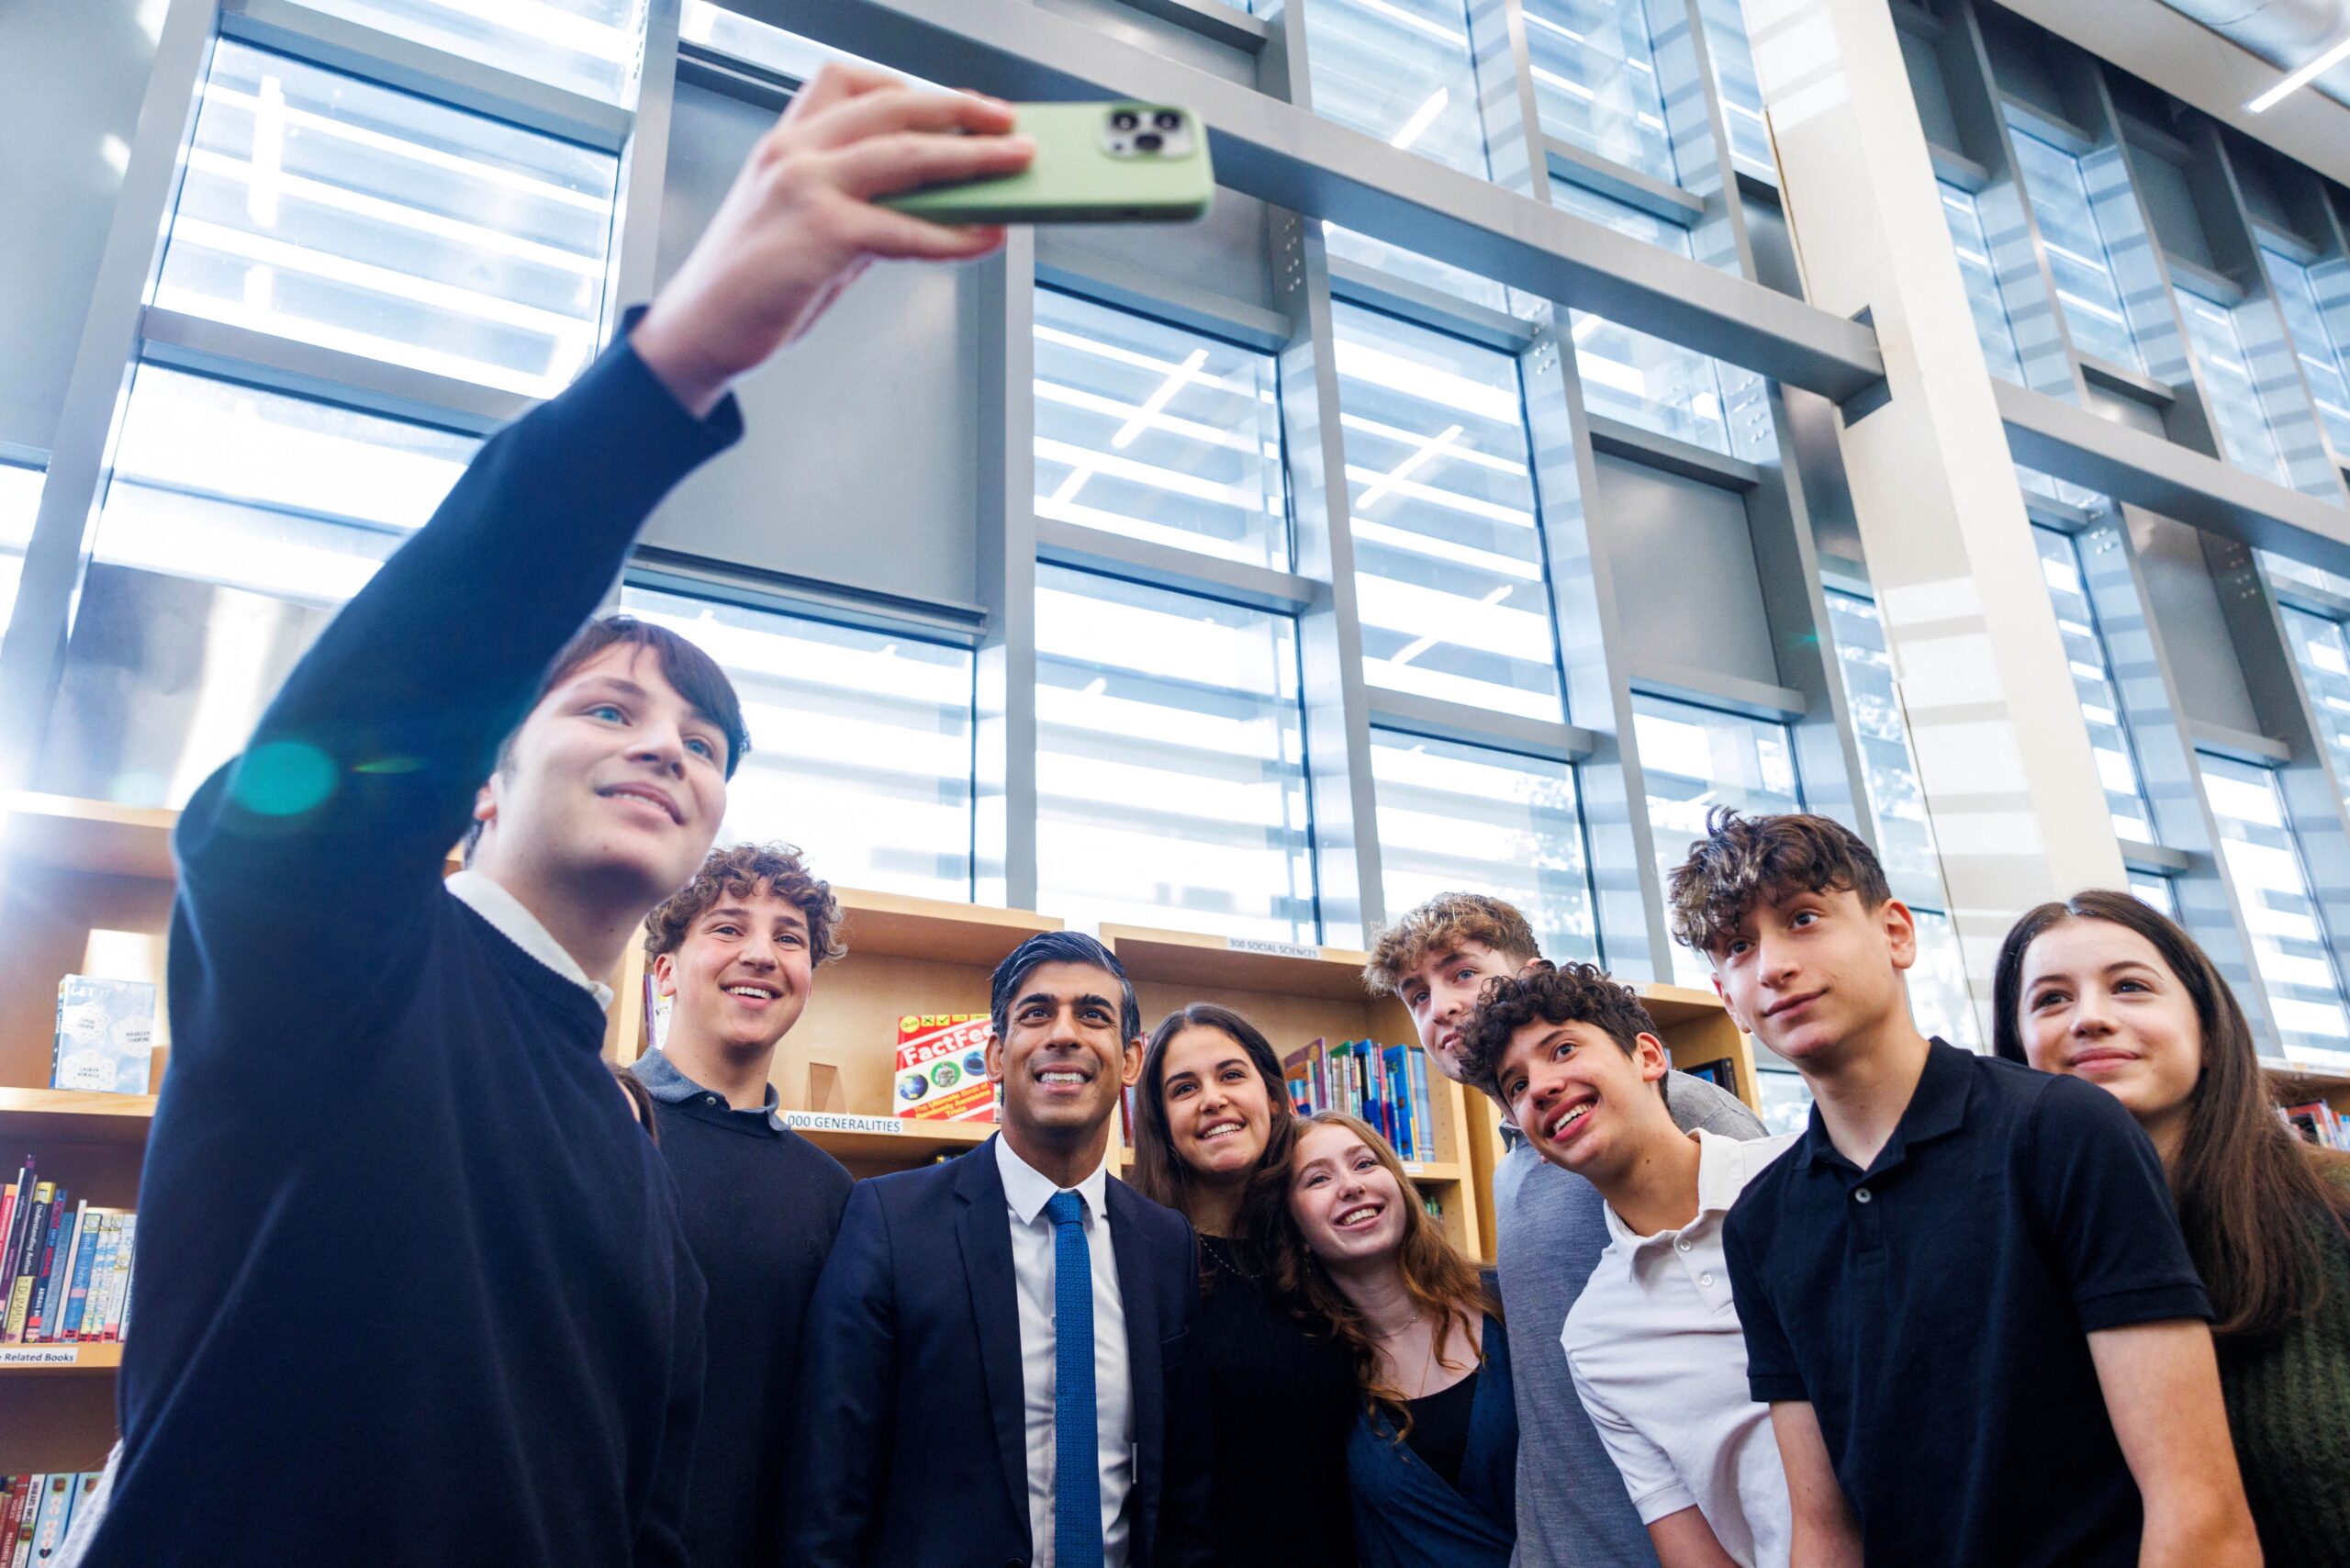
(1171,567)
(308,370)
(1434,717)
(1287,156)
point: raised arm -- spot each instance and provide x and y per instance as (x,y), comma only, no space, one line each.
(2162,1390)
(1825,1533)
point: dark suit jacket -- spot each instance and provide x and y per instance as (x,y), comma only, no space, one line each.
(912,1447)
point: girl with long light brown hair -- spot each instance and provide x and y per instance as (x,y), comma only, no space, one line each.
(1432,1460)
(2103,986)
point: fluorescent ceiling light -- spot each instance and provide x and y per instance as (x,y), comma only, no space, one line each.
(1422,117)
(2302,78)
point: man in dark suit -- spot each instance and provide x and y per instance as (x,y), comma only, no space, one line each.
(993,1370)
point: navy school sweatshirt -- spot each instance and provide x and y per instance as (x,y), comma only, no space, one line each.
(412,1284)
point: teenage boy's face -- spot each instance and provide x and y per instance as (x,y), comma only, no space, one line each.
(741,977)
(1062,1061)
(1582,1101)
(1441,994)
(614,778)
(1809,971)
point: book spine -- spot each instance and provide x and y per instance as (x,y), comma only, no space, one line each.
(1423,1108)
(126,1259)
(20,1274)
(61,1239)
(20,1215)
(22,1553)
(7,1214)
(12,1507)
(77,1290)
(56,1502)
(59,1318)
(102,1281)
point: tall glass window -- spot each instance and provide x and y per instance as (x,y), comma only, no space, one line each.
(2117,765)
(319,206)
(1992,327)
(2319,337)
(2245,431)
(1449,563)
(20,489)
(1694,759)
(2324,656)
(1347,245)
(587,46)
(1401,71)
(1904,838)
(1454,816)
(302,501)
(1171,761)
(1595,82)
(2262,861)
(2154,892)
(1159,433)
(1732,54)
(2079,256)
(860,742)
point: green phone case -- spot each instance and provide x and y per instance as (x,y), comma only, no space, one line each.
(1091,167)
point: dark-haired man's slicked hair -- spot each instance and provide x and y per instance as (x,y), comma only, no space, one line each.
(1743,861)
(1059,948)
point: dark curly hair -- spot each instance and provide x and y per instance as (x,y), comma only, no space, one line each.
(1548,993)
(740,871)
(1744,861)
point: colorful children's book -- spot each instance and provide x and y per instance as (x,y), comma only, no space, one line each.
(942,1066)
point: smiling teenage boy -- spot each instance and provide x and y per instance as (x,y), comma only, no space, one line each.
(736,953)
(1549,1228)
(1653,1341)
(1964,1294)
(405,1258)
(1005,1331)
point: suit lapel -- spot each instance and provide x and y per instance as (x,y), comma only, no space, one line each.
(1146,1381)
(984,1230)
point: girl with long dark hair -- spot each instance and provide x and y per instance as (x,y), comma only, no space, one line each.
(2105,988)
(1212,1122)
(1432,1459)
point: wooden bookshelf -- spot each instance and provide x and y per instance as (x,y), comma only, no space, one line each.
(58,1361)
(1295,994)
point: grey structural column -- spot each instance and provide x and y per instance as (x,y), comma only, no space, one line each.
(31,657)
(644,167)
(2003,754)
(1001,292)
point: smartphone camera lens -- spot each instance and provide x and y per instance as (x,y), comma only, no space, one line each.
(1125,119)
(1167,119)
(1149,141)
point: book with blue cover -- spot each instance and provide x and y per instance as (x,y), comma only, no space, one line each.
(105,1035)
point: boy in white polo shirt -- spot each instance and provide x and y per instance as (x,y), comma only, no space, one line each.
(1653,1341)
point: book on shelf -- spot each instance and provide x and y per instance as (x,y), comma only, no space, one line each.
(1722,1074)
(105,1035)
(941,1070)
(66,1273)
(1386,1086)
(2318,1123)
(37,1510)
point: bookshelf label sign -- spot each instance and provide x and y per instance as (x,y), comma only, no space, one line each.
(37,1355)
(842,1122)
(1272,949)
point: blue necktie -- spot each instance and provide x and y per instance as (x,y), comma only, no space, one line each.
(1077,1477)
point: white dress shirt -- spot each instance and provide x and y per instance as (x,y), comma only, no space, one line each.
(1026,1193)
(514,922)
(1659,1362)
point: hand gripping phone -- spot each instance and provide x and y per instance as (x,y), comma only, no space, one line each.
(1114,162)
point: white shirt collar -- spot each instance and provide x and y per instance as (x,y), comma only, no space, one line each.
(1027,1191)
(1722,1173)
(519,925)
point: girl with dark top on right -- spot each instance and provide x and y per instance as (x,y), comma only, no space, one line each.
(1214,1122)
(2104,988)
(1432,1459)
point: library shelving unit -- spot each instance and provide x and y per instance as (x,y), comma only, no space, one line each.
(1295,994)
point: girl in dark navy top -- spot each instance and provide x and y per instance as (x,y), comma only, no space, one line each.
(1433,1456)
(1214,1122)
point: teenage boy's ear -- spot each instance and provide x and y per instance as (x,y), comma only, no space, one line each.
(1650,1056)
(485,800)
(665,974)
(1900,929)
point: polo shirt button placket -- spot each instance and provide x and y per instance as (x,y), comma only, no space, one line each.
(1860,1195)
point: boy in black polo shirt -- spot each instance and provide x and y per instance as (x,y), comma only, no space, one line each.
(736,953)
(1964,1294)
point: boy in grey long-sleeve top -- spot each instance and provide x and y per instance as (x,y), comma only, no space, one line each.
(1550,1227)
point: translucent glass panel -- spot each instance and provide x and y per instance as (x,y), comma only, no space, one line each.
(1454,817)
(2078,251)
(1973,246)
(2117,765)
(1149,430)
(1171,763)
(1448,564)
(1410,266)
(2324,657)
(2262,861)
(1596,84)
(1786,1101)
(1401,71)
(860,743)
(585,46)
(1742,92)
(2156,892)
(301,500)
(788,55)
(322,208)
(2233,394)
(1694,759)
(2317,343)
(19,501)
